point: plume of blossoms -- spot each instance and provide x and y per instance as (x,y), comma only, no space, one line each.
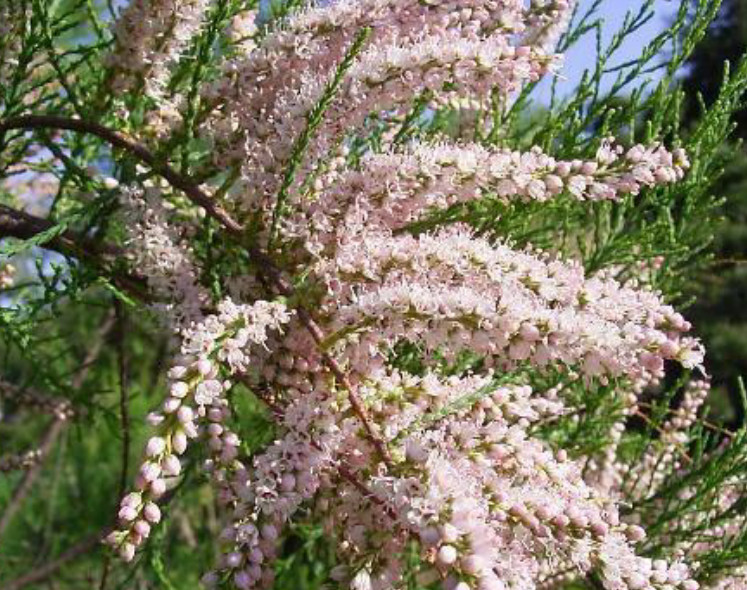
(394,189)
(385,457)
(509,306)
(414,48)
(162,255)
(150,36)
(222,342)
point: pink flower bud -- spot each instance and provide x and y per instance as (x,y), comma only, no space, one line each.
(152,513)
(171,405)
(257,556)
(171,466)
(269,532)
(179,442)
(133,499)
(447,555)
(215,429)
(142,528)
(150,471)
(231,439)
(233,559)
(204,367)
(155,418)
(127,513)
(449,533)
(156,445)
(635,533)
(127,552)
(185,414)
(158,488)
(242,580)
(179,389)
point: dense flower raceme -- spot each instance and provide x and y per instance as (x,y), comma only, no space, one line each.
(163,256)
(150,37)
(388,457)
(197,395)
(394,189)
(415,48)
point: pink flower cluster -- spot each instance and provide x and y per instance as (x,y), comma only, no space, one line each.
(196,396)
(387,458)
(150,37)
(163,256)
(415,47)
(396,188)
(453,291)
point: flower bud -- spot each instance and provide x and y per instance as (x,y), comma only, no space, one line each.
(156,445)
(447,555)
(158,488)
(142,528)
(127,552)
(152,513)
(171,466)
(179,442)
(179,389)
(127,513)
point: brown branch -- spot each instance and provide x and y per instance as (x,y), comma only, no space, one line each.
(43,572)
(198,197)
(24,226)
(21,225)
(26,397)
(53,432)
(121,141)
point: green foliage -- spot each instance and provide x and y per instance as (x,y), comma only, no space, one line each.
(53,318)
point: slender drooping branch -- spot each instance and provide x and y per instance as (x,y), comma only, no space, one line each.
(30,398)
(192,190)
(121,141)
(24,226)
(45,571)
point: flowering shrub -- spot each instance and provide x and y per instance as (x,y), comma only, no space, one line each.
(451,400)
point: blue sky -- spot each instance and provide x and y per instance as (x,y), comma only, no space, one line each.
(583,55)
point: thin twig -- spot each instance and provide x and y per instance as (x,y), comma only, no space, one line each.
(123,395)
(27,397)
(124,414)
